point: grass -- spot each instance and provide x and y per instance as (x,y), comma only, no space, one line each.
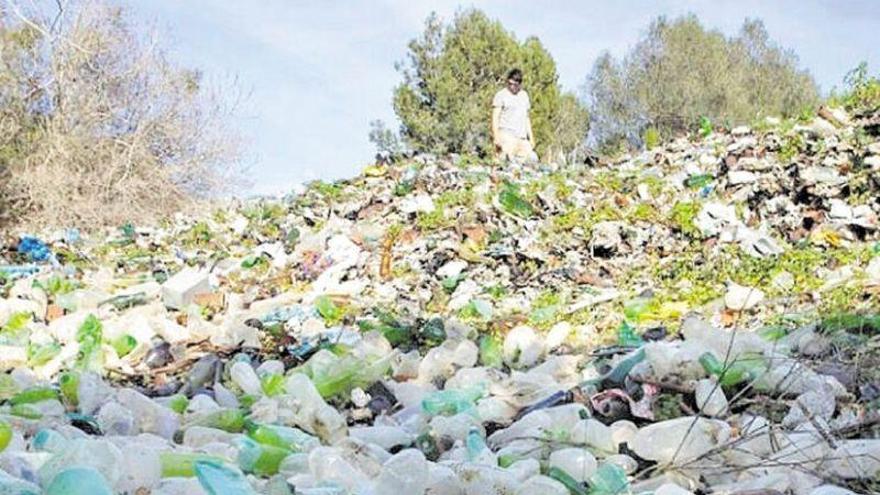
(682,216)
(655,184)
(436,219)
(792,144)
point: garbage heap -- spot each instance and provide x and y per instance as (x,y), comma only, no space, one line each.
(696,318)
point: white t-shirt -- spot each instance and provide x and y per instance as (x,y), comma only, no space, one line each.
(514,112)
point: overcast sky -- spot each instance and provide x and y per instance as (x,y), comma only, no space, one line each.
(317,72)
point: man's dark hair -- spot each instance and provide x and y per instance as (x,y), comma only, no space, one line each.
(515,75)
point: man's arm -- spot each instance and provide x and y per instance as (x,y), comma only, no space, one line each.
(496,113)
(531,134)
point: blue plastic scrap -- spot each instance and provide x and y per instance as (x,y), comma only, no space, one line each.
(16,271)
(35,249)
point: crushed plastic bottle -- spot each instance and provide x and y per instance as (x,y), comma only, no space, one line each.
(79,481)
(452,402)
(218,479)
(609,479)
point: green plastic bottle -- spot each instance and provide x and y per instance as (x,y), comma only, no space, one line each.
(272,384)
(178,403)
(283,437)
(33,395)
(451,402)
(609,479)
(574,487)
(218,479)
(48,440)
(260,459)
(180,464)
(491,354)
(699,180)
(39,355)
(124,344)
(68,383)
(229,420)
(26,411)
(745,368)
(5,435)
(80,480)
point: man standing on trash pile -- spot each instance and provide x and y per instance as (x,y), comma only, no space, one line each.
(511,127)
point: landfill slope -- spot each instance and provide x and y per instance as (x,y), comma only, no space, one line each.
(701,317)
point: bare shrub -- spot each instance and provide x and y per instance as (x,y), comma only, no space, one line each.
(98,127)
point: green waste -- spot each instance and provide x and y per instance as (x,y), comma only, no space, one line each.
(33,395)
(745,368)
(260,459)
(284,437)
(451,402)
(5,435)
(574,487)
(180,464)
(79,480)
(851,322)
(68,384)
(433,332)
(15,330)
(705,126)
(491,353)
(26,411)
(125,301)
(450,283)
(48,440)
(272,384)
(513,203)
(218,479)
(700,180)
(229,420)
(335,375)
(329,310)
(89,336)
(8,387)
(123,345)
(475,445)
(609,479)
(627,336)
(39,355)
(178,403)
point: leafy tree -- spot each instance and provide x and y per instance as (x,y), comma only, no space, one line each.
(860,93)
(680,71)
(452,73)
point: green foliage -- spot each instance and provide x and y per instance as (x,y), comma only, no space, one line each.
(792,144)
(545,309)
(682,215)
(332,313)
(680,71)
(329,191)
(861,91)
(512,201)
(705,127)
(435,219)
(451,75)
(89,337)
(56,285)
(15,325)
(386,141)
(651,138)
(199,235)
